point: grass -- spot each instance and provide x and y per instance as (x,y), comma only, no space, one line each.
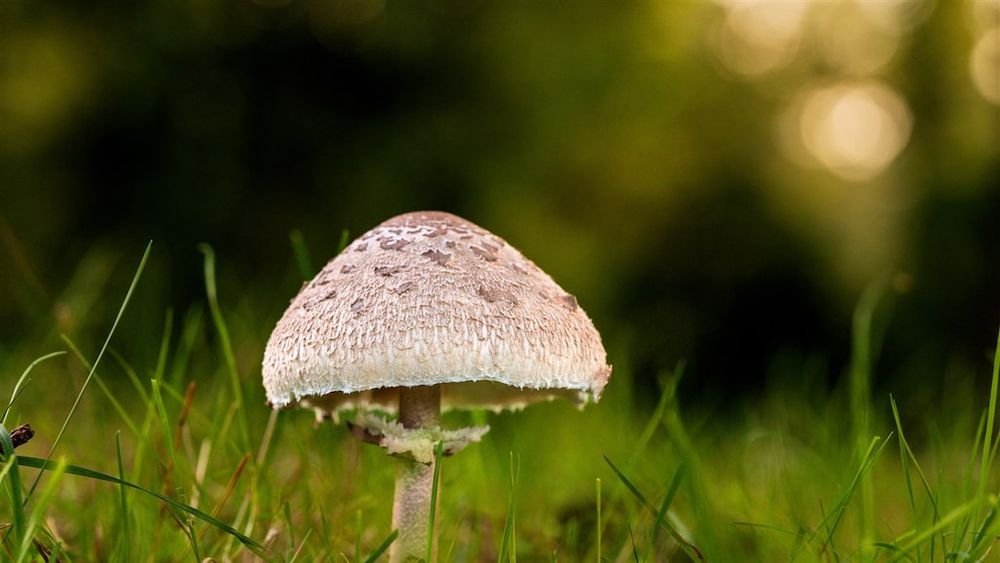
(173,455)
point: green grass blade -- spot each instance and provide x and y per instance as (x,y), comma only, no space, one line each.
(654,422)
(27,542)
(22,381)
(689,548)
(161,357)
(39,463)
(267,438)
(983,532)
(126,549)
(515,469)
(383,547)
(962,528)
(133,377)
(438,455)
(860,395)
(302,545)
(599,524)
(990,420)
(86,382)
(13,485)
(104,388)
(508,541)
(950,518)
(871,455)
(675,484)
(505,537)
(631,537)
(302,257)
(226,343)
(166,428)
(7,465)
(190,328)
(703,506)
(904,461)
(358,530)
(935,512)
(345,237)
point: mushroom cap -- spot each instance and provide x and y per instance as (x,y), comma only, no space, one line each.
(428,298)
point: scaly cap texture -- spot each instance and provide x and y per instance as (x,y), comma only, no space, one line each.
(428,298)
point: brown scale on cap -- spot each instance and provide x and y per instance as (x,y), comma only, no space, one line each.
(436,300)
(440,257)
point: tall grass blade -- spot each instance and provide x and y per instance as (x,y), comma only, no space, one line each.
(358,522)
(948,519)
(301,252)
(383,547)
(166,428)
(988,522)
(438,455)
(23,380)
(931,496)
(654,421)
(832,520)
(133,377)
(631,537)
(904,460)
(515,469)
(90,375)
(302,545)
(961,529)
(126,549)
(265,441)
(860,396)
(173,469)
(190,329)
(13,485)
(226,343)
(508,541)
(689,548)
(161,357)
(701,501)
(600,523)
(27,541)
(675,484)
(990,420)
(345,237)
(39,463)
(100,383)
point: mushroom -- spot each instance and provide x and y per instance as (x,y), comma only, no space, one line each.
(425,312)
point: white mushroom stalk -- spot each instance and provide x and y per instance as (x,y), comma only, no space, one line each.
(429,312)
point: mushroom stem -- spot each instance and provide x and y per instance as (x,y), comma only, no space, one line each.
(419,407)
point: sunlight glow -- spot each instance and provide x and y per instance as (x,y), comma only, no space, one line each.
(984,65)
(895,16)
(850,42)
(855,130)
(757,37)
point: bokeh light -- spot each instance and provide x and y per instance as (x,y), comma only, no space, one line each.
(983,14)
(895,16)
(984,65)
(851,43)
(855,130)
(757,37)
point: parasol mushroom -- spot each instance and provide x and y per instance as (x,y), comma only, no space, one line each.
(425,312)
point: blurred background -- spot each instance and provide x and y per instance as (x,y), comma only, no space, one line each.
(717,182)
